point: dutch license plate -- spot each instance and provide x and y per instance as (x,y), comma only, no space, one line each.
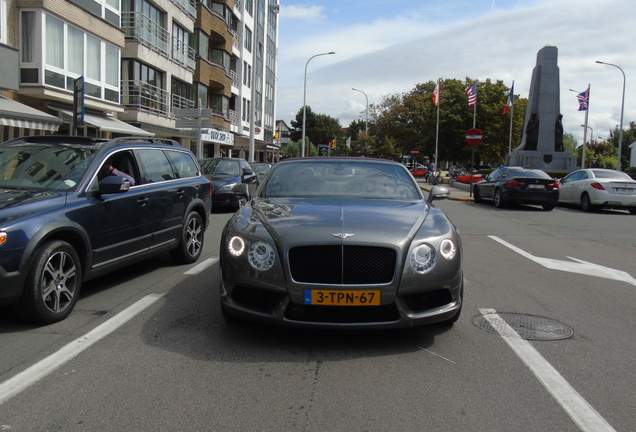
(343,297)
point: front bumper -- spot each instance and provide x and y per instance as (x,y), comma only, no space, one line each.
(426,307)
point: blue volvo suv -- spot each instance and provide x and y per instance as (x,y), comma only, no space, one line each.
(74,208)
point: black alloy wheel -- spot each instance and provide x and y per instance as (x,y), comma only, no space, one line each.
(498,200)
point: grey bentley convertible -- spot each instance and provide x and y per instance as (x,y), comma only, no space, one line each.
(341,242)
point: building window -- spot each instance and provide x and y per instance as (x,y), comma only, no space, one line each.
(54,39)
(248,39)
(27,33)
(143,87)
(180,43)
(56,53)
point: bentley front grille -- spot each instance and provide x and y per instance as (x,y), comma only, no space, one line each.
(342,264)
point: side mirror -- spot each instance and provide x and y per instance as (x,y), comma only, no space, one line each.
(113,185)
(438,192)
(247,171)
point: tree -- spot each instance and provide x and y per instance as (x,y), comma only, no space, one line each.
(629,136)
(410,120)
(319,129)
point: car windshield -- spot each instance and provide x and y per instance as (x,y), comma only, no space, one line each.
(220,166)
(57,167)
(341,179)
(608,174)
(260,168)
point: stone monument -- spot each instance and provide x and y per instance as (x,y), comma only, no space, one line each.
(542,140)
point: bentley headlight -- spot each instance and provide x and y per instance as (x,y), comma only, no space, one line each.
(448,249)
(236,246)
(261,255)
(423,258)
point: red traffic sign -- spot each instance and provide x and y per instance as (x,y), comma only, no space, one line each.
(474,137)
(415,151)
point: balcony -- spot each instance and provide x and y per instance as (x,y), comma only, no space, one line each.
(183,54)
(188,6)
(142,96)
(139,27)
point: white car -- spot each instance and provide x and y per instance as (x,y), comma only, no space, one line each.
(598,188)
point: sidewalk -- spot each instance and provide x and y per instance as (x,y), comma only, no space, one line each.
(458,191)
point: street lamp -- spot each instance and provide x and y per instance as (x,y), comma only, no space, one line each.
(305,98)
(620,131)
(366,122)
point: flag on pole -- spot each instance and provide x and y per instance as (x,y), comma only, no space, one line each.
(584,100)
(436,94)
(511,98)
(472,94)
(332,143)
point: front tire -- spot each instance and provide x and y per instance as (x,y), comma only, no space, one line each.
(476,196)
(191,243)
(52,285)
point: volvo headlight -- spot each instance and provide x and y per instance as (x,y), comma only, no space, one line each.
(228,187)
(423,258)
(448,249)
(261,255)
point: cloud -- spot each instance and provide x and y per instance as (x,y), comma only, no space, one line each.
(301,12)
(391,55)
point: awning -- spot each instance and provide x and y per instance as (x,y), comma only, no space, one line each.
(110,124)
(16,114)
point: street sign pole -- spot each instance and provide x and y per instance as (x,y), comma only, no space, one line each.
(473,138)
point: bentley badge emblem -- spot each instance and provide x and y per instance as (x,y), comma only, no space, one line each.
(342,235)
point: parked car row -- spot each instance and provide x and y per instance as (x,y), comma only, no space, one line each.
(591,189)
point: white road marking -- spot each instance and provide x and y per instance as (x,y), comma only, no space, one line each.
(30,376)
(202,266)
(436,355)
(579,410)
(579,267)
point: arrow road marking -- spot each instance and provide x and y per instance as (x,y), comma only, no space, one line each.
(579,266)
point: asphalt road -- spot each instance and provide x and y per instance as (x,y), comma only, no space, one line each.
(173,365)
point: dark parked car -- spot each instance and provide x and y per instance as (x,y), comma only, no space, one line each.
(73,208)
(233,180)
(516,185)
(341,242)
(261,168)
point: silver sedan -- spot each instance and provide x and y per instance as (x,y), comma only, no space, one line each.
(598,188)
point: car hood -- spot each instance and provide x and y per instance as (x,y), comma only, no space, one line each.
(313,221)
(16,204)
(220,180)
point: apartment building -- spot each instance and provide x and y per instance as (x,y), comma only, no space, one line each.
(237,47)
(143,64)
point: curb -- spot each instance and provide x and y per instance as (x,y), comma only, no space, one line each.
(427,188)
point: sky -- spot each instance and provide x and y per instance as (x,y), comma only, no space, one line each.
(386,47)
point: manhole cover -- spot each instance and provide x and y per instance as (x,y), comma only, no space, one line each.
(528,327)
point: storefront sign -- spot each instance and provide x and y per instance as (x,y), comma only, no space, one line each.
(217,136)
